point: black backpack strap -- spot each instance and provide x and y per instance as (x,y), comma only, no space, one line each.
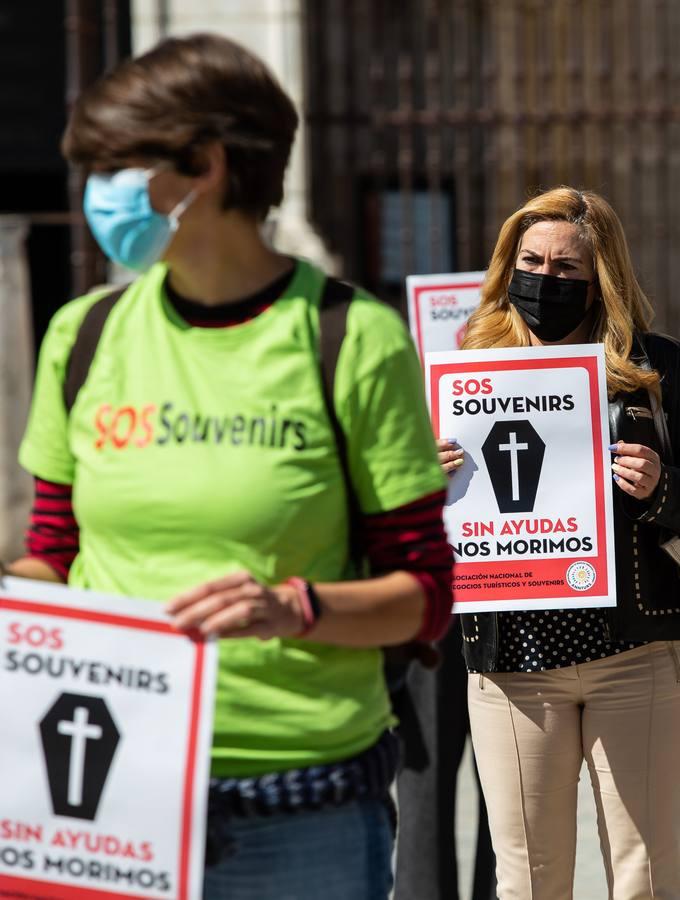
(85,345)
(333,310)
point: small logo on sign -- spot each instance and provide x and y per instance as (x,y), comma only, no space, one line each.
(581,576)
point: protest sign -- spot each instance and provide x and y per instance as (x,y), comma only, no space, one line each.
(439,307)
(104,762)
(529,513)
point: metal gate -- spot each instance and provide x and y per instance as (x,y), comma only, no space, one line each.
(430,121)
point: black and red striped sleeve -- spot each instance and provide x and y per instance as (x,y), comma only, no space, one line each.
(412,539)
(53,535)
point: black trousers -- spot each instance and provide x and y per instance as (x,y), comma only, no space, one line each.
(434,726)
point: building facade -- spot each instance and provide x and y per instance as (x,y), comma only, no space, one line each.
(430,121)
(425,123)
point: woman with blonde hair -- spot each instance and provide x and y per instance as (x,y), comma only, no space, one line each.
(550,688)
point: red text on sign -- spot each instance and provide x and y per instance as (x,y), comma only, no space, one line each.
(471,386)
(35,636)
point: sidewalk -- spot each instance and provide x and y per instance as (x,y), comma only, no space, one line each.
(590,882)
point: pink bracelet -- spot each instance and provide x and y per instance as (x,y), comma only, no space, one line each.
(309,616)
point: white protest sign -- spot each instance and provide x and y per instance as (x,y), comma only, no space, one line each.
(529,513)
(104,761)
(439,307)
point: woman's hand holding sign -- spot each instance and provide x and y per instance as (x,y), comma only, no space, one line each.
(450,454)
(636,468)
(387,608)
(238,605)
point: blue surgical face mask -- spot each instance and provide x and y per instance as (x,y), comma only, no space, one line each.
(125,225)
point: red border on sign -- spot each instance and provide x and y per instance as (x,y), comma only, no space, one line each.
(55,891)
(417,291)
(52,891)
(543,569)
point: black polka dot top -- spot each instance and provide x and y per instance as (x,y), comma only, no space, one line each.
(553,639)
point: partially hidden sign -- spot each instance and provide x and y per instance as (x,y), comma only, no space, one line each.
(439,307)
(529,513)
(104,760)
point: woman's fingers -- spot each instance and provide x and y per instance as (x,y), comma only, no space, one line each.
(635,464)
(207,589)
(446,456)
(639,483)
(235,606)
(636,468)
(453,463)
(638,489)
(447,444)
(240,619)
(199,612)
(631,475)
(450,454)
(196,607)
(636,450)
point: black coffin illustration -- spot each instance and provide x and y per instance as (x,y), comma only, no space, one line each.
(79,739)
(513,453)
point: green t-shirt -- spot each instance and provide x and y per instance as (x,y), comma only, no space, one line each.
(194,452)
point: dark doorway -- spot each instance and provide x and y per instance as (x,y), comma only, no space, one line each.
(37,70)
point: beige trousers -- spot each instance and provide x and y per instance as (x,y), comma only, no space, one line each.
(531,732)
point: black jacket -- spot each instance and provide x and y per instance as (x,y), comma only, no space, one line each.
(647,580)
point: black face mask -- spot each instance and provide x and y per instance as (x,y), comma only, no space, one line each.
(552,307)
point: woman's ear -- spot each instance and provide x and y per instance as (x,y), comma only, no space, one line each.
(209,165)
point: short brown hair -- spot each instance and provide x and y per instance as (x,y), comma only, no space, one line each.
(184,93)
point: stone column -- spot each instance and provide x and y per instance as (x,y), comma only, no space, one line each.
(16,377)
(273,30)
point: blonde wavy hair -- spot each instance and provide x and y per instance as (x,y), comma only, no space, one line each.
(623,310)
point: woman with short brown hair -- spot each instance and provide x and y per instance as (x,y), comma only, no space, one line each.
(211,469)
